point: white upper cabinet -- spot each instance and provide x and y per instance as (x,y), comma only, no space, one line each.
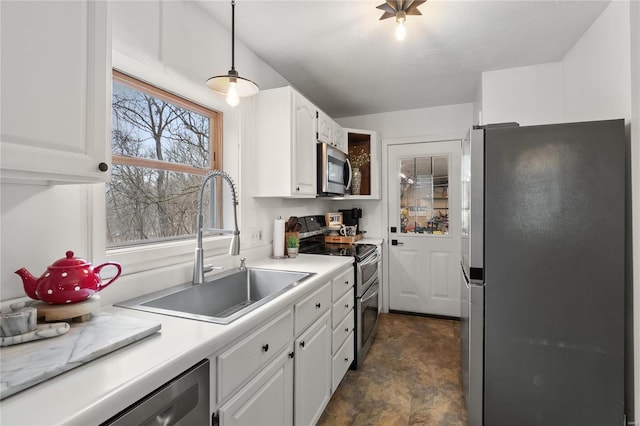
(328,131)
(284,147)
(56,88)
(325,128)
(338,138)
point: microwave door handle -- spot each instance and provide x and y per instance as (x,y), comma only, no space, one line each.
(350,173)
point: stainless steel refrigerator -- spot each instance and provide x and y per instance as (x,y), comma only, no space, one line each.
(543,274)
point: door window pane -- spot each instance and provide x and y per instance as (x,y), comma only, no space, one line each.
(424,201)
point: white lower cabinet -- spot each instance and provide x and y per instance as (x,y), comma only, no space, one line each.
(313,372)
(342,323)
(284,372)
(342,359)
(241,361)
(267,399)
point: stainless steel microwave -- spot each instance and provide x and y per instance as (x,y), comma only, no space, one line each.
(334,171)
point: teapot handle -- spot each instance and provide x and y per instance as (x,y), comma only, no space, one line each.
(98,268)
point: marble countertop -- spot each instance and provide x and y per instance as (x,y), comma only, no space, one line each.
(95,391)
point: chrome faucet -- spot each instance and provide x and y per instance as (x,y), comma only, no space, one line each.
(234,248)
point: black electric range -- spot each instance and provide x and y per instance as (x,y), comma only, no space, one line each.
(366,284)
(312,241)
(316,245)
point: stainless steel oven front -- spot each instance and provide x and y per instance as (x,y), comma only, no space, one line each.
(367,305)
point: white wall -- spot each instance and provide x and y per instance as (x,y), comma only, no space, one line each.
(39,224)
(414,122)
(596,73)
(527,95)
(477,105)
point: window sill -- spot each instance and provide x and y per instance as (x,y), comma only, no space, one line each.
(155,256)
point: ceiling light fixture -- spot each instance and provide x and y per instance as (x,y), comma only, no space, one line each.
(231,84)
(400,9)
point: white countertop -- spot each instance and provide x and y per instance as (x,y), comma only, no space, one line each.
(367,240)
(94,392)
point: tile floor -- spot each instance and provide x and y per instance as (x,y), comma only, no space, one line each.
(411,376)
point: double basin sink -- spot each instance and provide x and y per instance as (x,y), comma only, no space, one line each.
(223,298)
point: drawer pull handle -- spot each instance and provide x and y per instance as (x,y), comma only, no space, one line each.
(346,283)
(265,347)
(346,330)
(291,354)
(302,344)
(346,360)
(318,305)
(346,305)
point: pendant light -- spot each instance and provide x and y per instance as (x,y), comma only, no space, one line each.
(231,84)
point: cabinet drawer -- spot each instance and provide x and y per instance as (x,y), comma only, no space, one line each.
(342,283)
(242,360)
(312,307)
(342,308)
(341,332)
(341,362)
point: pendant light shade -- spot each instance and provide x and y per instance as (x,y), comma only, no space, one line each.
(231,84)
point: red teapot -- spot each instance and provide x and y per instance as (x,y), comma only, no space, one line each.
(67,280)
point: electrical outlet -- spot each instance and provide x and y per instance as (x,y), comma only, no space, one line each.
(256,234)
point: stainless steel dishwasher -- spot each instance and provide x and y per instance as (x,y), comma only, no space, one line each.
(182,401)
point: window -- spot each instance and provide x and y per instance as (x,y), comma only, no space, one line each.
(424,199)
(162,146)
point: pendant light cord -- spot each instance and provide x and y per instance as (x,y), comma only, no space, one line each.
(233,35)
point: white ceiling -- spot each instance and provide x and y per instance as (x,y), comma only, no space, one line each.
(346,61)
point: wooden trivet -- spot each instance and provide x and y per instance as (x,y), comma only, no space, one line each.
(78,312)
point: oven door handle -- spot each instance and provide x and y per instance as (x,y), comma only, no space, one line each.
(370,260)
(374,294)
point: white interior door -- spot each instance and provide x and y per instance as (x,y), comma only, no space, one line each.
(424,227)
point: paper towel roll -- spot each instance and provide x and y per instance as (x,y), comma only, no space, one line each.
(278,238)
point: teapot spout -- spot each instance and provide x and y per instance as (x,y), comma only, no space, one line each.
(29,282)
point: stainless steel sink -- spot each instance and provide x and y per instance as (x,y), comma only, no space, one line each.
(222,299)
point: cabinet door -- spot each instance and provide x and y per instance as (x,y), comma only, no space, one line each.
(341,361)
(55,118)
(242,360)
(325,128)
(338,138)
(313,372)
(266,400)
(304,147)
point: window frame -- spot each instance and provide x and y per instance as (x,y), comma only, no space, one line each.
(215,138)
(154,255)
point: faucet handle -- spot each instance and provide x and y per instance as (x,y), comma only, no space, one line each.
(242,262)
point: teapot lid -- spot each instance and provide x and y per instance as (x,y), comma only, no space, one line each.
(69,261)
